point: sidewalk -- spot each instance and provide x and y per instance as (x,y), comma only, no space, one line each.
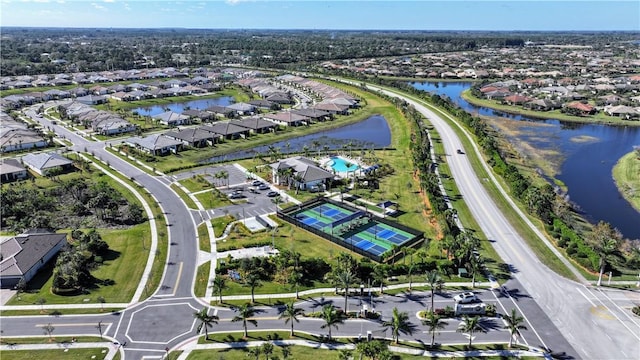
(111,351)
(532,352)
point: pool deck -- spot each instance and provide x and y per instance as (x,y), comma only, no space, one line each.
(325,160)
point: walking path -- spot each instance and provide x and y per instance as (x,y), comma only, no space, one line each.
(111,347)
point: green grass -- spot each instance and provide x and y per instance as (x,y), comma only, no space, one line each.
(80,354)
(122,265)
(187,200)
(105,310)
(203,238)
(46,340)
(626,174)
(600,117)
(202,279)
(220,223)
(213,199)
(196,183)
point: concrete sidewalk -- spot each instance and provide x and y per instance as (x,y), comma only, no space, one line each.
(193,345)
(112,348)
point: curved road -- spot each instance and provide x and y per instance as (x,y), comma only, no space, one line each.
(585,316)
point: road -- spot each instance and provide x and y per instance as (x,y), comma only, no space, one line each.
(595,327)
(583,315)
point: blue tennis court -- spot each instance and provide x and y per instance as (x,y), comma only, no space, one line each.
(354,228)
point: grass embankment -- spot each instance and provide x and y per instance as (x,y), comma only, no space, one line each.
(62,353)
(626,174)
(185,198)
(539,248)
(600,117)
(202,279)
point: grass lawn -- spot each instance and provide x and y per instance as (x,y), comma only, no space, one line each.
(625,174)
(213,199)
(203,238)
(600,117)
(79,354)
(202,279)
(220,223)
(122,265)
(187,200)
(196,183)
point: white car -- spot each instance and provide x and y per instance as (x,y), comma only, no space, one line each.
(465,298)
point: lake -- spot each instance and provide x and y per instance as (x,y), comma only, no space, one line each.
(370,133)
(590,152)
(182,106)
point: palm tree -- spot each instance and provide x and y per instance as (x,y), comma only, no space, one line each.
(476,263)
(290,313)
(399,323)
(380,276)
(255,351)
(434,280)
(605,241)
(344,354)
(434,323)
(331,318)
(205,320)
(470,325)
(286,352)
(252,281)
(245,314)
(409,252)
(345,277)
(295,278)
(513,324)
(267,350)
(48,330)
(218,284)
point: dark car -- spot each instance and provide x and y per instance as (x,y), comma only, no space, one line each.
(263,187)
(256,183)
(460,151)
(272,194)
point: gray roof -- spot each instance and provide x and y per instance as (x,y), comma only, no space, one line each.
(10,166)
(305,168)
(170,116)
(254,123)
(22,252)
(224,128)
(154,142)
(241,107)
(191,135)
(45,160)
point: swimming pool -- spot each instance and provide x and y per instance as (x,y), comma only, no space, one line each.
(341,165)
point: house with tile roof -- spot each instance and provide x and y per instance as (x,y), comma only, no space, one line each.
(45,163)
(171,118)
(287,118)
(227,130)
(15,139)
(194,137)
(23,255)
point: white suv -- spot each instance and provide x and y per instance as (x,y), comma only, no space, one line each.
(465,298)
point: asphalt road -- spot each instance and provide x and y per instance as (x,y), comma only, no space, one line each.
(592,334)
(589,318)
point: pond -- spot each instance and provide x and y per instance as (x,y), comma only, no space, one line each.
(182,106)
(589,151)
(370,133)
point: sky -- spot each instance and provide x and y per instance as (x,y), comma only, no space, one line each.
(514,15)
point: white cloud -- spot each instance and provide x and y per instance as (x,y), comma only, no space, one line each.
(108,1)
(99,7)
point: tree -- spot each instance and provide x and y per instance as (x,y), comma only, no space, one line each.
(48,330)
(245,314)
(399,323)
(513,323)
(476,262)
(372,349)
(219,285)
(411,267)
(255,351)
(101,300)
(605,241)
(470,325)
(267,350)
(41,301)
(434,280)
(345,277)
(205,320)
(252,281)
(380,274)
(331,318)
(290,313)
(434,324)
(344,354)
(286,352)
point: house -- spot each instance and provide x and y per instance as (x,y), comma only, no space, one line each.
(194,137)
(580,108)
(542,105)
(112,125)
(92,99)
(242,108)
(300,172)
(156,144)
(622,111)
(171,118)
(516,99)
(221,110)
(227,130)
(45,163)
(313,114)
(23,255)
(263,104)
(198,114)
(287,118)
(256,125)
(332,108)
(15,139)
(11,170)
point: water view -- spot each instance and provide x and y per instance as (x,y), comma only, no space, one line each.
(370,133)
(182,106)
(589,150)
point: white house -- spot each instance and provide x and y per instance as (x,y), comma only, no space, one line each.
(45,163)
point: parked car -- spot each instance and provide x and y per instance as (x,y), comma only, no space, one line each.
(460,151)
(465,298)
(263,187)
(272,194)
(236,195)
(256,183)
(253,190)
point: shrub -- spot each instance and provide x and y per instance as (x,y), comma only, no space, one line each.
(636,310)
